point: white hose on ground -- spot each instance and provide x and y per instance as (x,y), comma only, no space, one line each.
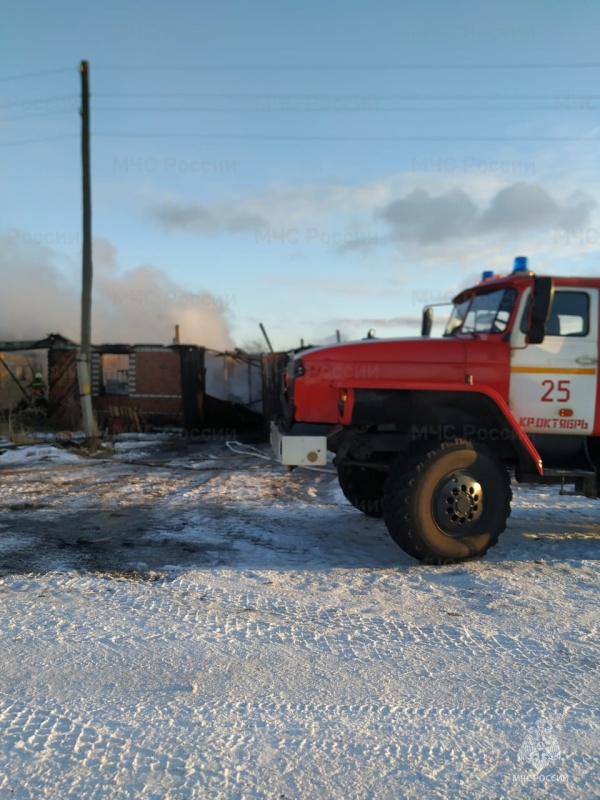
(254,451)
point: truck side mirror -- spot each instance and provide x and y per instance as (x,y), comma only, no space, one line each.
(541,300)
(427,322)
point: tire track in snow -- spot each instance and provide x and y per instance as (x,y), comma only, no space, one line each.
(440,657)
(251,749)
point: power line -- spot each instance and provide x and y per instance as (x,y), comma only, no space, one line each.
(334,138)
(36,74)
(323,109)
(356,96)
(40,114)
(336,67)
(41,139)
(38,100)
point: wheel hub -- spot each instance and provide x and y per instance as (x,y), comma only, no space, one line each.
(458,503)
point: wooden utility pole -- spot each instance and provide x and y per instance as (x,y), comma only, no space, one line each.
(85,352)
(86,283)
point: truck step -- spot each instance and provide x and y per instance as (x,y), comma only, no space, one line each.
(569,473)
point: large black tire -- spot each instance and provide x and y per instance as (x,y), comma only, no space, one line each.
(448,504)
(362,487)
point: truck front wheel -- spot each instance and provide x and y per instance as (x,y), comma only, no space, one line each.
(448,504)
(362,486)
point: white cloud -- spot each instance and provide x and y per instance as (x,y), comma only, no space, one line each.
(426,210)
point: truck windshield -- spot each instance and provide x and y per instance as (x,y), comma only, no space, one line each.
(482,313)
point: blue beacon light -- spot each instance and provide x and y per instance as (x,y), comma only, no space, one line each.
(520,264)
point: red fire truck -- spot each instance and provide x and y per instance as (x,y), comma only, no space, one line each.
(427,431)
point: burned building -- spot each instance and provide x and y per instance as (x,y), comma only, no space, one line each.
(152,386)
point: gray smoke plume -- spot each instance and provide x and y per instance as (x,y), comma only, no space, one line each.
(41,294)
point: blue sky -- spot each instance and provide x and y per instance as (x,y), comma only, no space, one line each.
(315,167)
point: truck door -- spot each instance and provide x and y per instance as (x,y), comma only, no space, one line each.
(554,385)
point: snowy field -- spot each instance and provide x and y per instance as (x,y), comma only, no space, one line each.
(182,622)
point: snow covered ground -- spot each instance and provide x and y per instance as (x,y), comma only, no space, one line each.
(183,622)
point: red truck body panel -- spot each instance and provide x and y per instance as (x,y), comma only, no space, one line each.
(458,363)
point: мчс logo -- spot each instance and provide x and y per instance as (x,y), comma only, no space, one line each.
(540,747)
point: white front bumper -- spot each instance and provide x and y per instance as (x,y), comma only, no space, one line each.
(298,451)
